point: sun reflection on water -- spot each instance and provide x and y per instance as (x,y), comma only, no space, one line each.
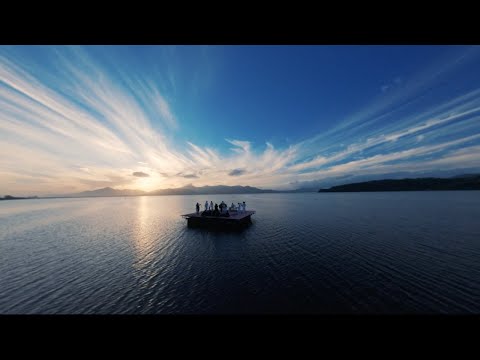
(144,236)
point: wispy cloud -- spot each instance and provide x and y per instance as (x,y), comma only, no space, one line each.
(240,146)
(188,176)
(140,174)
(393,85)
(165,111)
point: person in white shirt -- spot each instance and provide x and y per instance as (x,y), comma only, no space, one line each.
(206,205)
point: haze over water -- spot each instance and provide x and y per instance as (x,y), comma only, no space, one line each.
(388,252)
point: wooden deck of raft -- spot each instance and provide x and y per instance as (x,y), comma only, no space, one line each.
(234,220)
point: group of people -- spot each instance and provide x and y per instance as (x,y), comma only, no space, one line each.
(221,209)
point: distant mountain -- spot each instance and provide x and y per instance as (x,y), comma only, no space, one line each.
(466,176)
(300,190)
(207,190)
(10,197)
(327,182)
(468,182)
(108,191)
(185,190)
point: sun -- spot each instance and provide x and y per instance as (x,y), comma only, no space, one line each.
(148,183)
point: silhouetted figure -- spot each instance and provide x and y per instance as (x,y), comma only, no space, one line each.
(206,205)
(211,205)
(244,207)
(197,207)
(223,207)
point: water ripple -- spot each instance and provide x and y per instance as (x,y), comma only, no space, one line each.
(304,253)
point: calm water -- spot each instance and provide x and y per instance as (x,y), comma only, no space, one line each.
(407,252)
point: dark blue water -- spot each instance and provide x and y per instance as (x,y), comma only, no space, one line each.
(398,252)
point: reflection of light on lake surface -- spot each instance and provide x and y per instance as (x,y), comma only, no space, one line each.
(143,235)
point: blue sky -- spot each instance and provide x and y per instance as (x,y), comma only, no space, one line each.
(76,118)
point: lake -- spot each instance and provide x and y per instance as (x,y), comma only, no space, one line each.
(313,253)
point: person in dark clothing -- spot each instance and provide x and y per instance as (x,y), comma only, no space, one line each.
(197,207)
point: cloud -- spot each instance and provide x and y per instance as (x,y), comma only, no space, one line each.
(237,172)
(164,109)
(140,174)
(392,85)
(187,175)
(240,146)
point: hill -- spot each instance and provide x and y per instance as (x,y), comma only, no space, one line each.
(108,191)
(207,190)
(185,190)
(469,182)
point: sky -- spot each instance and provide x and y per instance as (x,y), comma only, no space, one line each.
(76,118)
